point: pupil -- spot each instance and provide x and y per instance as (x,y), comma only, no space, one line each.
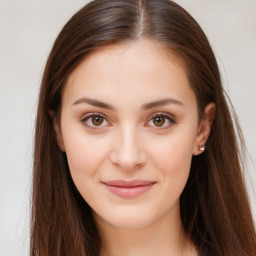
(97,120)
(159,121)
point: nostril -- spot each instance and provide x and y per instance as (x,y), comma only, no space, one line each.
(127,150)
(127,160)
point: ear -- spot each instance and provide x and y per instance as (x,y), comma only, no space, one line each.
(57,130)
(204,128)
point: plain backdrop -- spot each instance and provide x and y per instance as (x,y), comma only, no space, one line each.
(27,31)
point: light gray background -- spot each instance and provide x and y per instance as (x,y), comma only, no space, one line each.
(27,31)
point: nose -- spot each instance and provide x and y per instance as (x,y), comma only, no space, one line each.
(127,152)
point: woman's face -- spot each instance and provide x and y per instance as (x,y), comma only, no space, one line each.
(129,127)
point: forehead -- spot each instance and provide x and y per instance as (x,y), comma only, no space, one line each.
(133,69)
(142,54)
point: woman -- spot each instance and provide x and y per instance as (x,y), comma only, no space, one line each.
(135,150)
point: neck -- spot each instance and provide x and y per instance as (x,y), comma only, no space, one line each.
(163,237)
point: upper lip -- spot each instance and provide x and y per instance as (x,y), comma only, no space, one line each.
(124,183)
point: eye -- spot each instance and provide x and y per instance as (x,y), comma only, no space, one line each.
(95,120)
(160,120)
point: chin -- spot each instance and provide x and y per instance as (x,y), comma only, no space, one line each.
(131,222)
(127,218)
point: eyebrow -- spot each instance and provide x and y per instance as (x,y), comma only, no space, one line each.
(162,102)
(146,106)
(95,103)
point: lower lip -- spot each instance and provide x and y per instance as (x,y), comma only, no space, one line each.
(129,192)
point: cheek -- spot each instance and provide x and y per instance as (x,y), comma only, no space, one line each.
(85,154)
(175,150)
(173,159)
(175,162)
(85,157)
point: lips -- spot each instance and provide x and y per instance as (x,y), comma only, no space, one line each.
(128,189)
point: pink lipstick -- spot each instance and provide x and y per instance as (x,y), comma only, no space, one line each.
(128,189)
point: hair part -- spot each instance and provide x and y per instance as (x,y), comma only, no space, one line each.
(214,205)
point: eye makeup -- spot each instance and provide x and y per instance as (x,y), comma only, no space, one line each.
(159,120)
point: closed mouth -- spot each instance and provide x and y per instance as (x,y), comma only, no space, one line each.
(128,189)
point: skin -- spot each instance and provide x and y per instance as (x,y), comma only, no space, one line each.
(129,143)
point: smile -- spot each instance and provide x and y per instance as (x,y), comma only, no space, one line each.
(128,189)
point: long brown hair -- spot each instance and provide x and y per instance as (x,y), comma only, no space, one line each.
(214,206)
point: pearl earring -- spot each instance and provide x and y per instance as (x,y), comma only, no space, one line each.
(201,147)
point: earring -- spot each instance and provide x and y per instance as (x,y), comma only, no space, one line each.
(201,147)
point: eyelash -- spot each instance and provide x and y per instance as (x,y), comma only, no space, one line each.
(91,115)
(164,115)
(167,117)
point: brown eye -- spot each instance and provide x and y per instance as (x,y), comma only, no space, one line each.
(159,121)
(97,120)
